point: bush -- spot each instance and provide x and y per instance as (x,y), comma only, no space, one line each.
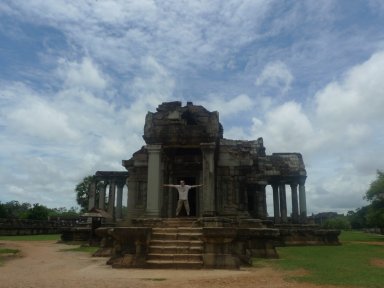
(341,223)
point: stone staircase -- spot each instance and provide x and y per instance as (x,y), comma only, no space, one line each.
(178,245)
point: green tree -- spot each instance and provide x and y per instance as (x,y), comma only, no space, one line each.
(64,212)
(38,212)
(82,192)
(340,222)
(13,209)
(375,195)
(3,211)
(358,218)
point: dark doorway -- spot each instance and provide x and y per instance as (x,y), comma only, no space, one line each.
(191,196)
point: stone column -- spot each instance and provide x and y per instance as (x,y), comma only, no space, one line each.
(111,198)
(262,207)
(154,181)
(295,207)
(208,150)
(131,200)
(303,203)
(170,203)
(119,202)
(283,203)
(276,203)
(103,186)
(92,195)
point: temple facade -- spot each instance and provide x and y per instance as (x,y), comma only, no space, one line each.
(186,143)
(229,223)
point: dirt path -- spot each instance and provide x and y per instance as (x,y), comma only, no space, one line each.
(43,265)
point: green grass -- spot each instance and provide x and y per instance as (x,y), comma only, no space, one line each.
(349,236)
(54,237)
(154,279)
(87,249)
(348,264)
(4,252)
(8,251)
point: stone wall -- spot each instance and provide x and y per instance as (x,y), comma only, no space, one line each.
(14,227)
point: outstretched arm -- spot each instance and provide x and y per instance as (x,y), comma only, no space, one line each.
(169,185)
(193,186)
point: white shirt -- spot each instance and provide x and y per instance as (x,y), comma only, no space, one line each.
(183,191)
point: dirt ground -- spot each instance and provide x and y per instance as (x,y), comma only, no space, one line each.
(42,265)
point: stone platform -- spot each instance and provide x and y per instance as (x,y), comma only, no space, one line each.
(187,243)
(207,242)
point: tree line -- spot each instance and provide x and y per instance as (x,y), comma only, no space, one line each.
(17,210)
(370,216)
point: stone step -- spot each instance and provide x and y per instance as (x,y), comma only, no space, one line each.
(190,243)
(167,264)
(175,250)
(180,222)
(176,236)
(177,230)
(178,245)
(175,257)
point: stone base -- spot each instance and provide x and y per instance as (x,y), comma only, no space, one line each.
(306,235)
(207,242)
(127,261)
(220,261)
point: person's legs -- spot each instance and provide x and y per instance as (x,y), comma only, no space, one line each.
(179,206)
(186,205)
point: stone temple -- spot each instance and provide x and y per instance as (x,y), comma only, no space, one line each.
(229,222)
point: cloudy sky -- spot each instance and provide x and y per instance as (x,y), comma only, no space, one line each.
(78,77)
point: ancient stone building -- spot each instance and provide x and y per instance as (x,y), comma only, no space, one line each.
(229,219)
(186,142)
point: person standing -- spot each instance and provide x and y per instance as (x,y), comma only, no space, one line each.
(183,195)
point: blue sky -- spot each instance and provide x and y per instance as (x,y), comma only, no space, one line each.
(78,77)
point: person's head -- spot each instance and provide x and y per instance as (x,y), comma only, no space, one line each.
(182,182)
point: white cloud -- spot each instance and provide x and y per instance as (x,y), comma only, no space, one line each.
(276,75)
(37,118)
(285,129)
(349,112)
(358,97)
(228,107)
(82,75)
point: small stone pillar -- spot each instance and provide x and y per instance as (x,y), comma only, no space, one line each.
(283,203)
(295,207)
(111,198)
(208,150)
(131,200)
(303,203)
(276,203)
(92,195)
(262,201)
(154,181)
(103,186)
(119,202)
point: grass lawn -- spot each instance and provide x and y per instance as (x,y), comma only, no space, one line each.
(354,263)
(54,237)
(87,249)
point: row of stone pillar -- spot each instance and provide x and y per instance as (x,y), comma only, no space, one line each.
(115,195)
(299,206)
